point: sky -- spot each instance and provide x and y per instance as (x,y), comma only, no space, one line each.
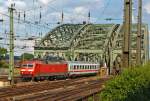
(75,11)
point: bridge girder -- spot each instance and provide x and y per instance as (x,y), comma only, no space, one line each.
(91,42)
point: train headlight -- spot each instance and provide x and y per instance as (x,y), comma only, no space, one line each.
(31,70)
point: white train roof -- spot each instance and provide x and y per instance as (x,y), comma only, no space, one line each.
(81,63)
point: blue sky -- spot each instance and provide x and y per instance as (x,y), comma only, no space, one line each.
(75,11)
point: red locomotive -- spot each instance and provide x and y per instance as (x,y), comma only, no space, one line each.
(38,70)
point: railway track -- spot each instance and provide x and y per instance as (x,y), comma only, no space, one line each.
(5,78)
(56,90)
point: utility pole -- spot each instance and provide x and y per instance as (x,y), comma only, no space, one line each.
(62,17)
(138,59)
(89,16)
(127,31)
(11,47)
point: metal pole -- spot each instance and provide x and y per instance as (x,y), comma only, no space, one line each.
(62,17)
(138,59)
(89,16)
(11,47)
(127,32)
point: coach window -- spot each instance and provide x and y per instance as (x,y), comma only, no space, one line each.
(95,67)
(80,66)
(74,67)
(70,67)
(77,67)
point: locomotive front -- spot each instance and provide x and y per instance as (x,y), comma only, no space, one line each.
(27,69)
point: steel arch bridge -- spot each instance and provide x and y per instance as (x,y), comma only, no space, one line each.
(91,42)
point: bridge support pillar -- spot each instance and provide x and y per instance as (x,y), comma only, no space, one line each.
(85,99)
(96,97)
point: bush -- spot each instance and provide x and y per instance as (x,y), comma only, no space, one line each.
(132,85)
(3,64)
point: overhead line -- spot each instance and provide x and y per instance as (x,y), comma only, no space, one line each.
(27,22)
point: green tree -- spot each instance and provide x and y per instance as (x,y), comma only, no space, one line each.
(132,85)
(3,52)
(27,56)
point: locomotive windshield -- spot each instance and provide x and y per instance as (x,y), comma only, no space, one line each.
(27,65)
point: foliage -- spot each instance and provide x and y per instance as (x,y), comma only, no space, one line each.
(3,52)
(132,85)
(3,64)
(27,56)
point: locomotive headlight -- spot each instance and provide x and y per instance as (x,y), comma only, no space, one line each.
(23,70)
(31,70)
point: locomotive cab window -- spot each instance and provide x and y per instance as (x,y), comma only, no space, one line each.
(30,65)
(27,65)
(24,65)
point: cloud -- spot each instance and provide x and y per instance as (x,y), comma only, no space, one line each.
(134,18)
(18,4)
(45,2)
(80,10)
(3,9)
(24,46)
(147,8)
